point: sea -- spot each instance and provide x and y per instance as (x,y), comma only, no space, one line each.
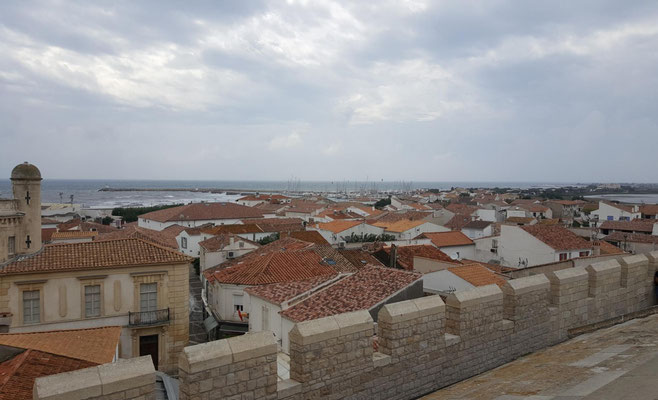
(86,192)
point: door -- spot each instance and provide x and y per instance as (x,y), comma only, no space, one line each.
(148,346)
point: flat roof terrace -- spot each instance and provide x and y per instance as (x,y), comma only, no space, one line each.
(619,362)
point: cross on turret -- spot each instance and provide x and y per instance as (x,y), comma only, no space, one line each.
(27,197)
(28,241)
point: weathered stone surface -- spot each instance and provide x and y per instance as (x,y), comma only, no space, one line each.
(75,385)
(205,356)
(314,331)
(252,345)
(474,296)
(126,374)
(430,305)
(357,321)
(398,312)
(567,275)
(528,284)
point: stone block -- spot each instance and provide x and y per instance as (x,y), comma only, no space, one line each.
(313,331)
(380,359)
(354,322)
(398,312)
(205,356)
(126,374)
(288,388)
(430,305)
(75,385)
(634,260)
(252,345)
(569,275)
(526,285)
(474,297)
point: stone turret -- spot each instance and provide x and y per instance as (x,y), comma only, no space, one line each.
(26,185)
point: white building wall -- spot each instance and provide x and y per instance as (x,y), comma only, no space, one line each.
(256,320)
(515,244)
(222,301)
(158,226)
(478,233)
(420,229)
(486,215)
(335,238)
(466,251)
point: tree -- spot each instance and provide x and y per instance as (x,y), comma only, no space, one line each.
(107,220)
(269,239)
(130,214)
(381,203)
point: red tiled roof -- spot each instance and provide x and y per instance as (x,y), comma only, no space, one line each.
(519,220)
(165,237)
(203,211)
(95,255)
(557,237)
(447,239)
(97,345)
(222,240)
(361,291)
(233,228)
(73,235)
(339,225)
(477,275)
(623,207)
(46,233)
(18,374)
(359,258)
(399,226)
(637,225)
(49,221)
(406,254)
(608,248)
(307,236)
(283,260)
(458,221)
(277,293)
(622,237)
(397,216)
(649,209)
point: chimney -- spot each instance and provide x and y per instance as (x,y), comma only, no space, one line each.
(393,256)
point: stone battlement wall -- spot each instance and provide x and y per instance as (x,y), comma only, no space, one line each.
(423,344)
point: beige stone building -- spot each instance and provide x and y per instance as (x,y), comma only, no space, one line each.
(131,283)
(20,217)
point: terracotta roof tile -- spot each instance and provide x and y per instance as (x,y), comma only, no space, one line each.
(622,237)
(361,291)
(477,275)
(165,237)
(406,254)
(203,211)
(339,225)
(18,374)
(557,237)
(637,225)
(608,248)
(277,293)
(97,345)
(94,255)
(399,226)
(73,235)
(447,239)
(222,240)
(359,258)
(307,236)
(458,221)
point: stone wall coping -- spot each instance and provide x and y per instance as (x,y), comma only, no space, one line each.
(451,339)
(380,359)
(652,257)
(252,345)
(315,330)
(126,374)
(568,275)
(633,261)
(205,356)
(74,385)
(474,296)
(604,267)
(353,322)
(429,305)
(527,284)
(288,388)
(398,312)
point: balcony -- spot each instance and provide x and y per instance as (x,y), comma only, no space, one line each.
(147,318)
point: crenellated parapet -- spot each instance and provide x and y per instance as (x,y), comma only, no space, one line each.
(422,344)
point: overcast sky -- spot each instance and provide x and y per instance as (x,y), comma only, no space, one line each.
(321,90)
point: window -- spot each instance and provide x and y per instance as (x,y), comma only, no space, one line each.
(563,256)
(11,245)
(241,244)
(93,301)
(31,307)
(237,302)
(230,254)
(148,296)
(183,243)
(610,217)
(583,254)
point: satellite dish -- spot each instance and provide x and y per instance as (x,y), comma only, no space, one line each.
(454,256)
